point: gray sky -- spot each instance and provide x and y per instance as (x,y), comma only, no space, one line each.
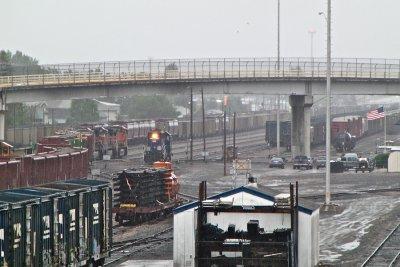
(56,31)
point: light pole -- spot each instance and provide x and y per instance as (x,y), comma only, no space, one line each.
(328,105)
(278,122)
(312,32)
(279,34)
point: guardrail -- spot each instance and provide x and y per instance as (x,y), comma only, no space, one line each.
(195,69)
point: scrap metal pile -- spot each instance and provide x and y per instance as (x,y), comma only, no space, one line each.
(146,193)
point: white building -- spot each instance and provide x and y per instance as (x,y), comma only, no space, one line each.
(246,198)
(107,111)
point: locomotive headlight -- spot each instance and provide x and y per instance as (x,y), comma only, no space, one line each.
(154,136)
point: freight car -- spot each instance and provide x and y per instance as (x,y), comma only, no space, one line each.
(355,126)
(44,167)
(344,142)
(56,224)
(180,129)
(285,133)
(146,194)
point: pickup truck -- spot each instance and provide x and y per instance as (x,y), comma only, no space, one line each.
(350,161)
(302,162)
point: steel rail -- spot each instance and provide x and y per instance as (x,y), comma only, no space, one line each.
(380,246)
(121,249)
(395,260)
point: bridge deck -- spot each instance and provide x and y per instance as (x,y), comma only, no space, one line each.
(160,71)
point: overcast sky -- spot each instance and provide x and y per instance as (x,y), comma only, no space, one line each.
(56,31)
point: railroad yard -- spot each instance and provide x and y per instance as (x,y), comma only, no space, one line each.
(365,201)
(195,134)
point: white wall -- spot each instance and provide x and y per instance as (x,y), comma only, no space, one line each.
(184,238)
(315,237)
(394,162)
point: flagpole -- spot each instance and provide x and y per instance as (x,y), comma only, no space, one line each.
(384,127)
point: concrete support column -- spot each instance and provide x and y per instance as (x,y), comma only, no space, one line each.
(308,101)
(301,124)
(2,115)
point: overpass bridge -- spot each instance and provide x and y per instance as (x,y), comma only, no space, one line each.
(261,76)
(301,78)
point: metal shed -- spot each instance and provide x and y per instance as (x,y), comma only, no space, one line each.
(241,207)
(394,161)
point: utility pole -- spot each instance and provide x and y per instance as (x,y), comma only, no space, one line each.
(279,35)
(328,107)
(224,145)
(204,129)
(312,32)
(278,123)
(278,126)
(234,135)
(191,124)
(225,102)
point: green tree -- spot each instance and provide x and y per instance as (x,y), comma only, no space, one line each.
(235,104)
(19,114)
(18,63)
(83,110)
(146,107)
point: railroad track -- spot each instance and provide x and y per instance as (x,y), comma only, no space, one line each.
(316,196)
(188,197)
(214,148)
(355,193)
(388,251)
(121,251)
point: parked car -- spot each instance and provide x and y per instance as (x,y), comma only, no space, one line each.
(365,164)
(302,162)
(320,162)
(277,162)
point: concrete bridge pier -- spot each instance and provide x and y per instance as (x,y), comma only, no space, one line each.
(301,124)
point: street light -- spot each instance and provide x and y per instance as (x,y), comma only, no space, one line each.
(312,32)
(278,123)
(328,105)
(279,34)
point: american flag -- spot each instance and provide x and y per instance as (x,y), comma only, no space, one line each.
(376,114)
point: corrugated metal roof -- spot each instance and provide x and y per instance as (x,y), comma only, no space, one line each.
(260,191)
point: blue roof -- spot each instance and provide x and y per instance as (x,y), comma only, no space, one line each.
(265,193)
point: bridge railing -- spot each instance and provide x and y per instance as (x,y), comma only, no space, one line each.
(193,69)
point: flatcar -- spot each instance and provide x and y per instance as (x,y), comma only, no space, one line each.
(146,193)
